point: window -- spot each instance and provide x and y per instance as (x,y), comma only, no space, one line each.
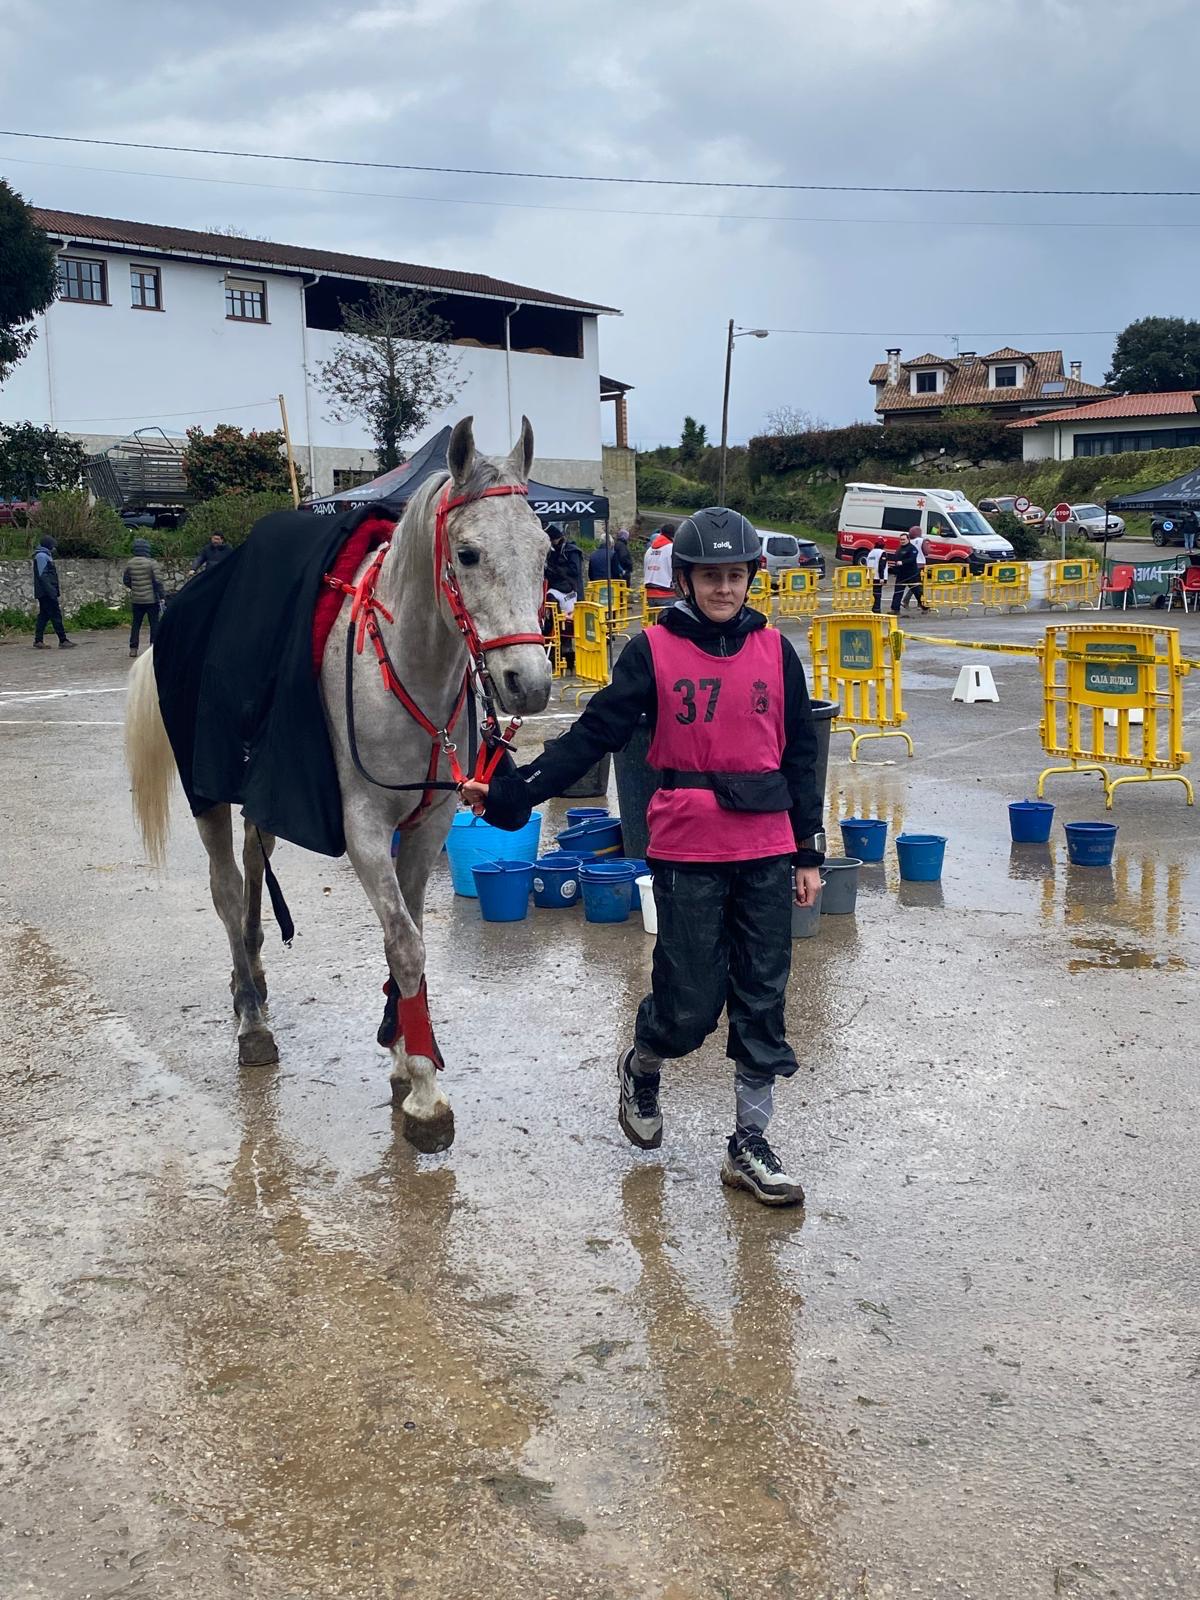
(83,280)
(1108,444)
(351,477)
(145,289)
(899,519)
(925,382)
(1005,377)
(245,300)
(939,526)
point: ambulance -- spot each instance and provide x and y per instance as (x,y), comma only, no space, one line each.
(955,530)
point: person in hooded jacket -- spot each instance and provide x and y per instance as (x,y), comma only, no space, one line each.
(563,570)
(48,594)
(735,833)
(145,593)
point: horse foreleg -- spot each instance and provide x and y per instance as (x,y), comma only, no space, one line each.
(428,1119)
(256,1044)
(256,851)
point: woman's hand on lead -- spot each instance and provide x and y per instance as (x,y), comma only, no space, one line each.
(475,796)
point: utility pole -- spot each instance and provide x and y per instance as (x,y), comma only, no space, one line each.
(725,414)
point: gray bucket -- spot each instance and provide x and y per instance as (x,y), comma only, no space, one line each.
(806,920)
(593,783)
(841,885)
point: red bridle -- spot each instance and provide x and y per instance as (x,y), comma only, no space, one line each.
(364,624)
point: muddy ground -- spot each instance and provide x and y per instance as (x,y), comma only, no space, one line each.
(252,1344)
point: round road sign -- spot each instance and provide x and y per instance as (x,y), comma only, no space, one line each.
(1061,512)
(1021,503)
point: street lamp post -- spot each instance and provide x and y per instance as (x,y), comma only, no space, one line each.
(742,333)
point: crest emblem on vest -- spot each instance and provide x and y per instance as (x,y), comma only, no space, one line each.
(760,698)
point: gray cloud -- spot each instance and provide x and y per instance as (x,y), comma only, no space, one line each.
(1044,93)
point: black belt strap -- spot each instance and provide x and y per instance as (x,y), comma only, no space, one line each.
(672,778)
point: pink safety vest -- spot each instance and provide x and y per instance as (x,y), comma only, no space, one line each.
(716,714)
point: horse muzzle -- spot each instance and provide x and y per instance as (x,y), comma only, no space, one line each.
(520,675)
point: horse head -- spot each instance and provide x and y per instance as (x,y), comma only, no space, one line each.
(497,550)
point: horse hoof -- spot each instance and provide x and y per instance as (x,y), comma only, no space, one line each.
(257,1048)
(430,1134)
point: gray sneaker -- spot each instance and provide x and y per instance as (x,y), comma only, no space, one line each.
(751,1164)
(637,1108)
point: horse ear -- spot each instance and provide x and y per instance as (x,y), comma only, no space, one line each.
(520,457)
(460,453)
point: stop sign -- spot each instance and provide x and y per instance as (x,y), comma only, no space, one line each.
(1061,512)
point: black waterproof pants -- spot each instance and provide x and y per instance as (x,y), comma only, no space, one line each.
(724,943)
(151,615)
(49,611)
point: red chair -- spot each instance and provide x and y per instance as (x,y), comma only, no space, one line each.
(1119,581)
(1189,587)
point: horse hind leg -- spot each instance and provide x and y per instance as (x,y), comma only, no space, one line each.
(257,849)
(256,1043)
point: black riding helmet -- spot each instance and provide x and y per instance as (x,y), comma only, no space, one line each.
(714,537)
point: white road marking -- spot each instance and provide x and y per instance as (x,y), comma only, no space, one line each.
(986,738)
(56,722)
(16,697)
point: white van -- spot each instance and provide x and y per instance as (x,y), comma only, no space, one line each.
(876,514)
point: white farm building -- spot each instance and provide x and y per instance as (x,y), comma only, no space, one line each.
(167,327)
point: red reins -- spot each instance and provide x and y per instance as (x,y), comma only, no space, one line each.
(365,610)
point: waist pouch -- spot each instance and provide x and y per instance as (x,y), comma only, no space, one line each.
(736,791)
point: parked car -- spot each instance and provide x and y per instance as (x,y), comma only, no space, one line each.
(1087,521)
(954,529)
(1034,516)
(995,504)
(783,550)
(16,513)
(1170,527)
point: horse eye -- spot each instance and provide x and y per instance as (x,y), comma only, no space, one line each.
(468,558)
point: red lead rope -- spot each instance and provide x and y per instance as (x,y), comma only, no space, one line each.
(365,610)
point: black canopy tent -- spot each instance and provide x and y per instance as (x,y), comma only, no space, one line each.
(1180,494)
(391,491)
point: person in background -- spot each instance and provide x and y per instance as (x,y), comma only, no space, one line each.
(622,558)
(146,593)
(48,594)
(876,565)
(564,566)
(1190,524)
(908,574)
(917,591)
(214,552)
(656,569)
(735,833)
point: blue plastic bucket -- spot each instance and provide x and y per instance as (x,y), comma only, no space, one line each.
(1090,844)
(1029,821)
(578,814)
(599,836)
(471,839)
(556,881)
(504,888)
(921,856)
(607,890)
(864,837)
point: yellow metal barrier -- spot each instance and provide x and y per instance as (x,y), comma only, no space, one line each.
(758,596)
(856,662)
(948,586)
(798,593)
(591,647)
(650,609)
(1133,674)
(1073,583)
(554,642)
(1006,583)
(851,589)
(614,597)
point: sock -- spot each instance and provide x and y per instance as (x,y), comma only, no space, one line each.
(755,1102)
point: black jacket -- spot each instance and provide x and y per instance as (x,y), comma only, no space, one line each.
(611,716)
(45,576)
(906,565)
(211,556)
(564,568)
(622,562)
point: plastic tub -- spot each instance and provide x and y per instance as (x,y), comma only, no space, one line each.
(864,837)
(607,890)
(642,869)
(1029,821)
(806,920)
(599,836)
(645,889)
(578,814)
(1090,844)
(839,890)
(921,856)
(556,881)
(471,839)
(503,888)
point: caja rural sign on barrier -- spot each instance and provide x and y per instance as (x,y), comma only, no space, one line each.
(591,647)
(851,589)
(948,586)
(1072,583)
(798,592)
(856,662)
(758,596)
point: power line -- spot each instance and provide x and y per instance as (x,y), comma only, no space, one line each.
(593,211)
(583,177)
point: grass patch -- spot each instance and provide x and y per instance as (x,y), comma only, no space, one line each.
(93,615)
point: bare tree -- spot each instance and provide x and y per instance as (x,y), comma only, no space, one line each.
(392,367)
(787,420)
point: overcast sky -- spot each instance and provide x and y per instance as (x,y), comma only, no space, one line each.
(1076,94)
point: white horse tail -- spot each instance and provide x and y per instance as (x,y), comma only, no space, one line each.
(149,759)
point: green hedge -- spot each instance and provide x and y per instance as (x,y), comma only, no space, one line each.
(843,449)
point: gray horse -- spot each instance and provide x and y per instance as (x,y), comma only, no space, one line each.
(495,549)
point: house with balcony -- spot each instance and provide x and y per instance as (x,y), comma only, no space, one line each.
(1005,384)
(170,327)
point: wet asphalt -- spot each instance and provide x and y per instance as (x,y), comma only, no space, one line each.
(252,1343)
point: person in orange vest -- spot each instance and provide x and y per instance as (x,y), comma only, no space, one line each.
(656,569)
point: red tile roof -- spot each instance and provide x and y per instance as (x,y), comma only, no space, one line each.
(260,252)
(1009,354)
(967,383)
(1174,403)
(926,361)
